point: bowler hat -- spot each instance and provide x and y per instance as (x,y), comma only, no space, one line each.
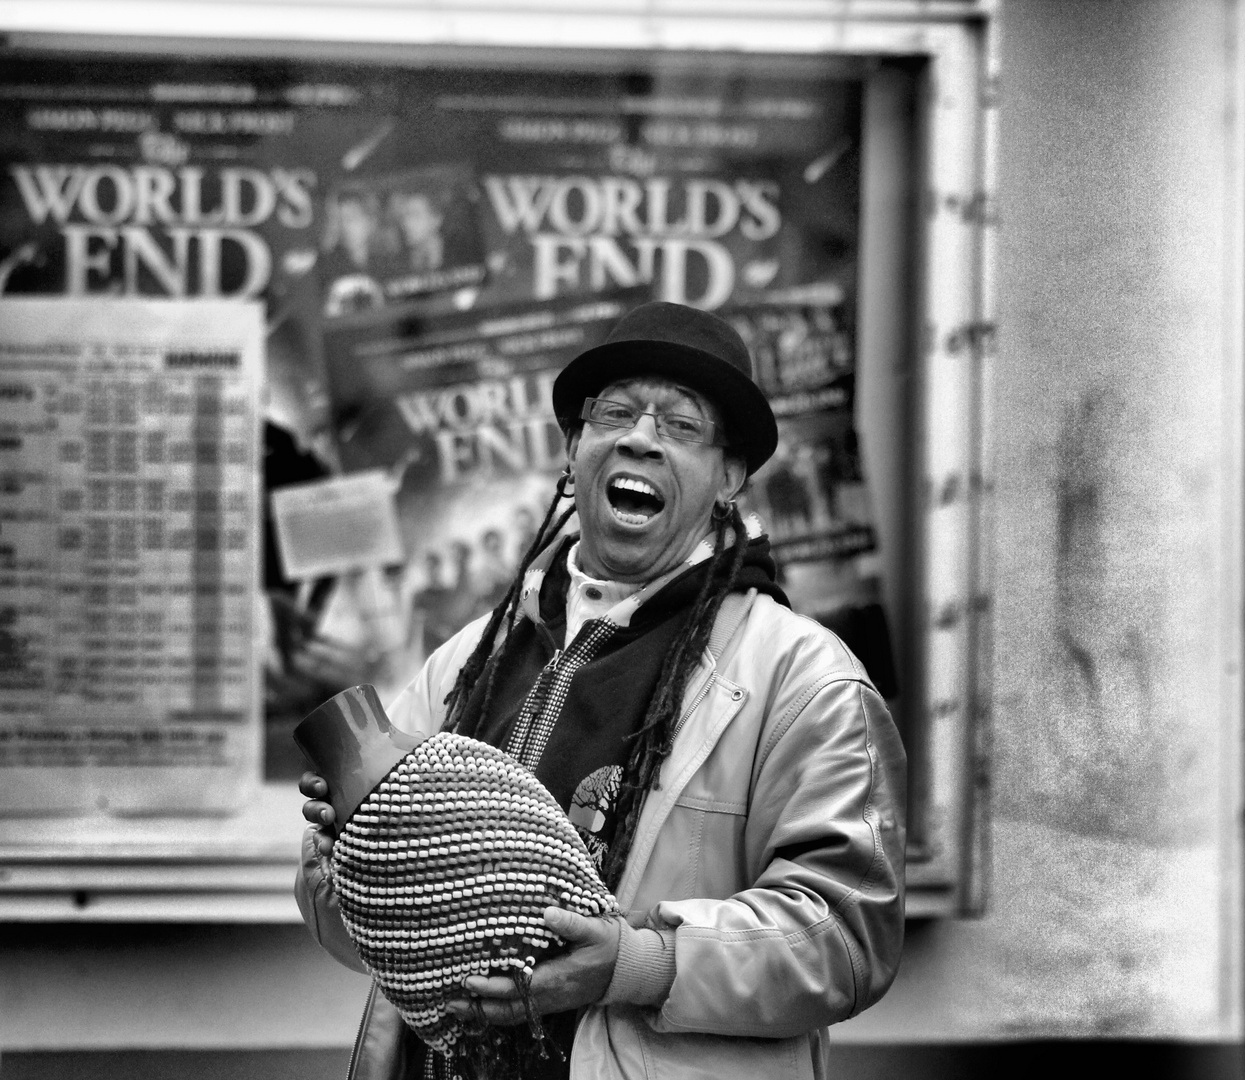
(687,346)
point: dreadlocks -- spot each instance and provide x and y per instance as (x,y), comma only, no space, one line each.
(653,742)
(655,738)
(506,611)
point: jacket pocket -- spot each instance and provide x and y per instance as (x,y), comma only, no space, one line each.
(713,833)
(618,1043)
(691,1056)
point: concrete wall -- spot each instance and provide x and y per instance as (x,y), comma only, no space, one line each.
(1114,905)
(1117,415)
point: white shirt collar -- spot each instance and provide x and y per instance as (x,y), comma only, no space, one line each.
(631,597)
(590,598)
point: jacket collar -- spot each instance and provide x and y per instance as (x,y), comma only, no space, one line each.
(621,613)
(700,726)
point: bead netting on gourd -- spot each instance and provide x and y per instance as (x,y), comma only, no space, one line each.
(444,871)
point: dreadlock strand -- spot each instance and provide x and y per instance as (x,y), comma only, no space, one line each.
(658,729)
(511,603)
(699,627)
(515,593)
(741,551)
(655,738)
(506,610)
(540,539)
(470,672)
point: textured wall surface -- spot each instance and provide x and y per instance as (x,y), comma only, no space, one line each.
(1116,704)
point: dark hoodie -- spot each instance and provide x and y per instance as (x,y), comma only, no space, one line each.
(604,701)
(568,711)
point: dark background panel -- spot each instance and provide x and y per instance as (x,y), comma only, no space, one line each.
(1066,1060)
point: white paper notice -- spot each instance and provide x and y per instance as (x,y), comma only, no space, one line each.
(129,523)
(337,525)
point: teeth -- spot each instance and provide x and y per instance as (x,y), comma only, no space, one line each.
(639,515)
(627,484)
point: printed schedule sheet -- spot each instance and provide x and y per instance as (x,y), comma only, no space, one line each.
(129,518)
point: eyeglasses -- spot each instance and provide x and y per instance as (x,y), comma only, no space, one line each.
(618,414)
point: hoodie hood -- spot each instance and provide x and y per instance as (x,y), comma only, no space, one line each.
(543,597)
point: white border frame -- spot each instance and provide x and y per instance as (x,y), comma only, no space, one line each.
(856,26)
(1232,567)
(240,869)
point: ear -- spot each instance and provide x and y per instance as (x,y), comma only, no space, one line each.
(734,473)
(572,445)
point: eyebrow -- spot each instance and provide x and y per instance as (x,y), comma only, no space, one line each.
(702,404)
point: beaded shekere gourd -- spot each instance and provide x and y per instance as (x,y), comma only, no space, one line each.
(445,867)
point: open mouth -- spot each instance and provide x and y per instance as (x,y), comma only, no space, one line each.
(633,501)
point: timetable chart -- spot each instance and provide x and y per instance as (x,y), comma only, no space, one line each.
(129,514)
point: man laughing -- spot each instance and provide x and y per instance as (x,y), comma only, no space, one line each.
(729,764)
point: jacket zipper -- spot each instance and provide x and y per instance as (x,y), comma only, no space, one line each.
(358,1039)
(700,696)
(713,674)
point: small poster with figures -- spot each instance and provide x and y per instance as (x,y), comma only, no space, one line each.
(456,409)
(812,493)
(388,239)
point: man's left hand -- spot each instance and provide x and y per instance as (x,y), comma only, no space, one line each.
(577,977)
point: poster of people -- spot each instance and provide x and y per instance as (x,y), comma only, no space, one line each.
(456,407)
(430,245)
(392,238)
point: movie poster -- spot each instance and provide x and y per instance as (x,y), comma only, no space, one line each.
(456,408)
(410,232)
(812,492)
(390,239)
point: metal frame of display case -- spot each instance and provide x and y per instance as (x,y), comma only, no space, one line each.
(240,868)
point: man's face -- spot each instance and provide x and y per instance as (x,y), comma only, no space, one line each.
(645,501)
(417,218)
(356,224)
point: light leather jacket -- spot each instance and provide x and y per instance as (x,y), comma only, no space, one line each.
(772,853)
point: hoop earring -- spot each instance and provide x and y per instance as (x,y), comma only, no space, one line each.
(723,511)
(566,484)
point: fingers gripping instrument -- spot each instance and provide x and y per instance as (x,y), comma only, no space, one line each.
(447,854)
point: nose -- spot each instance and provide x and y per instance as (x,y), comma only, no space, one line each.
(642,440)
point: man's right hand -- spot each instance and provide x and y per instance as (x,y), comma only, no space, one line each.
(318,811)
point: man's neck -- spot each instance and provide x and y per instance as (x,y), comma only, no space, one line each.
(579,577)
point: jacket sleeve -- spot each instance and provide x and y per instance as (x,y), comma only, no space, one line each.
(816,938)
(420,707)
(313,890)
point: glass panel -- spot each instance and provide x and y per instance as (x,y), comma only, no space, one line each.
(429,243)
